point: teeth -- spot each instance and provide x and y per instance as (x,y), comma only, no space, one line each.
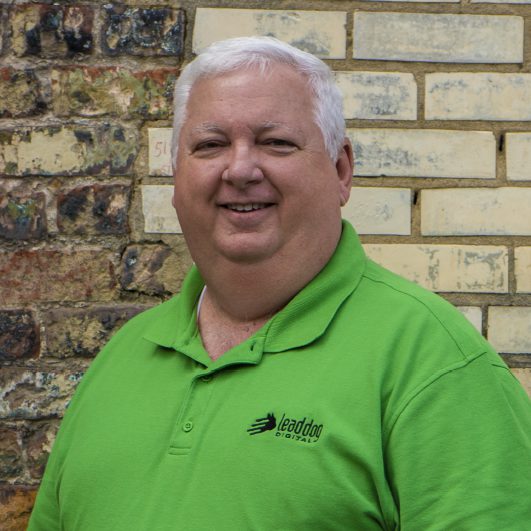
(246,208)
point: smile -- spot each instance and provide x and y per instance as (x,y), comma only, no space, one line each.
(248,207)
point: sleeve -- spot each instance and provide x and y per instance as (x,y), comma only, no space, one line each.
(45,514)
(459,452)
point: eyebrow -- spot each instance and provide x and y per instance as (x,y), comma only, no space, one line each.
(212,127)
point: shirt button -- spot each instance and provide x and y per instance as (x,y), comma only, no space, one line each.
(188,426)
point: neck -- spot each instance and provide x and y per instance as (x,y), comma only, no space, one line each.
(241,298)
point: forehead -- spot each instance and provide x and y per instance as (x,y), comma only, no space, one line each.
(251,96)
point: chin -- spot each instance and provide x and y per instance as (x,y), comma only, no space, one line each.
(249,250)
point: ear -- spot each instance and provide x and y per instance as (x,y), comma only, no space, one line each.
(344,168)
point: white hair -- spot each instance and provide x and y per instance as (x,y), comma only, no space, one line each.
(262,52)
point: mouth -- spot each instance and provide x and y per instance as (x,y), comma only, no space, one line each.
(246,207)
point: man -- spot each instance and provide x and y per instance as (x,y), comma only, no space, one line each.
(293,384)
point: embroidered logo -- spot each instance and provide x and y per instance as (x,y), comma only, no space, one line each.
(303,430)
(269,422)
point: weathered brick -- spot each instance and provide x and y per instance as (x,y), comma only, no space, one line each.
(19,335)
(473,314)
(98,91)
(159,152)
(35,395)
(478,211)
(478,96)
(83,332)
(423,153)
(524,376)
(322,33)
(16,503)
(20,93)
(522,269)
(159,214)
(37,438)
(51,30)
(94,209)
(500,1)
(378,95)
(379,210)
(447,268)
(438,37)
(11,459)
(510,329)
(56,275)
(154,269)
(518,156)
(142,31)
(22,215)
(72,150)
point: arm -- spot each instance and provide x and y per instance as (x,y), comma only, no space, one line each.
(459,452)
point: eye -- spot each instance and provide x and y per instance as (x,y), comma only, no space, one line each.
(280,145)
(208,145)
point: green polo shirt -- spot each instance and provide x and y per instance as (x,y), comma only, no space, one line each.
(366,403)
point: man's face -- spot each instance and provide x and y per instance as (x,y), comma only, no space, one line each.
(253,180)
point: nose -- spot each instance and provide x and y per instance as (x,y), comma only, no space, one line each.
(243,168)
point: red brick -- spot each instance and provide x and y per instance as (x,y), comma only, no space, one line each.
(56,275)
(16,503)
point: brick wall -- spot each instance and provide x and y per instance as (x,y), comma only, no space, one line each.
(438,106)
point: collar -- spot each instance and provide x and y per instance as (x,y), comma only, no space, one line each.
(304,319)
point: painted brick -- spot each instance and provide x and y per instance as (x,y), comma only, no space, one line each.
(322,33)
(518,156)
(524,376)
(522,269)
(510,329)
(378,96)
(447,268)
(16,502)
(20,93)
(423,153)
(25,394)
(28,276)
(153,31)
(379,210)
(438,38)
(473,314)
(51,30)
(159,151)
(154,269)
(57,150)
(94,209)
(19,335)
(159,214)
(482,96)
(478,211)
(82,332)
(22,215)
(98,91)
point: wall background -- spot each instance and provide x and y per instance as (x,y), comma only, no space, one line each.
(438,101)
